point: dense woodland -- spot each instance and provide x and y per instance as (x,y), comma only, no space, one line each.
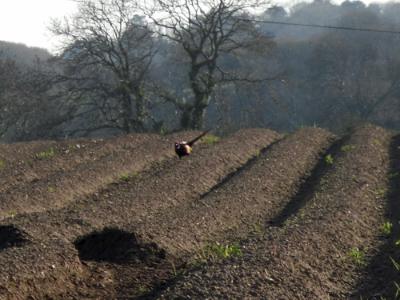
(119,69)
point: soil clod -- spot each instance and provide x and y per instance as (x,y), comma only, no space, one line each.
(116,246)
(10,236)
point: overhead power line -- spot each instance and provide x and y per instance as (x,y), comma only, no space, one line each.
(325,26)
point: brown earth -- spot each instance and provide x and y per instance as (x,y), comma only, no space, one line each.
(265,184)
(186,228)
(304,214)
(381,274)
(38,176)
(322,251)
(47,175)
(164,185)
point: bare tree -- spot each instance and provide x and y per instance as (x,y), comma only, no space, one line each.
(354,77)
(9,74)
(106,55)
(27,110)
(207,31)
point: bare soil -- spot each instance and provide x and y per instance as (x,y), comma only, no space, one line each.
(321,252)
(49,175)
(54,234)
(262,187)
(304,211)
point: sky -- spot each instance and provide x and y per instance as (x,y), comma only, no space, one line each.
(26,21)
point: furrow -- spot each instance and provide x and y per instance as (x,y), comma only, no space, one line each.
(173,182)
(321,251)
(48,264)
(306,190)
(58,180)
(260,189)
(382,273)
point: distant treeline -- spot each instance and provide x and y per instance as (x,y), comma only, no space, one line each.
(222,68)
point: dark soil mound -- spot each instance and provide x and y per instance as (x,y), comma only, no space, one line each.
(116,246)
(10,236)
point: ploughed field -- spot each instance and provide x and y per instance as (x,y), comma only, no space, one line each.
(258,214)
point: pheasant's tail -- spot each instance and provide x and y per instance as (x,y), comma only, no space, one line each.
(190,143)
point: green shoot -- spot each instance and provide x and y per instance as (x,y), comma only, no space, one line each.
(395,264)
(329,159)
(397,290)
(380,192)
(347,148)
(51,189)
(128,176)
(124,177)
(357,256)
(45,154)
(210,139)
(217,251)
(387,228)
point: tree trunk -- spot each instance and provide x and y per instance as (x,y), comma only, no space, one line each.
(199,111)
(186,117)
(133,120)
(140,110)
(126,115)
(198,118)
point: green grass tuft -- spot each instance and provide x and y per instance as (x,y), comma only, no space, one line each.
(377,142)
(258,228)
(142,289)
(218,251)
(397,286)
(2,164)
(210,139)
(128,176)
(51,189)
(357,256)
(347,148)
(125,177)
(329,159)
(380,192)
(45,154)
(12,213)
(387,228)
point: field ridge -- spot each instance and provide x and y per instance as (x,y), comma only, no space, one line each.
(256,214)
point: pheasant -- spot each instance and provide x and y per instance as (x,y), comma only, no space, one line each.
(185,148)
